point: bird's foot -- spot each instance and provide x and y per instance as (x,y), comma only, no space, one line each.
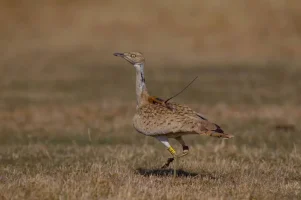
(184,153)
(169,160)
(173,152)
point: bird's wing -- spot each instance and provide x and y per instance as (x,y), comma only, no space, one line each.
(157,119)
(174,106)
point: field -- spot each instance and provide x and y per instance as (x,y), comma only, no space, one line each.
(66,103)
(186,33)
(66,133)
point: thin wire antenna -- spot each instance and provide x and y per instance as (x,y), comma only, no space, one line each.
(181,90)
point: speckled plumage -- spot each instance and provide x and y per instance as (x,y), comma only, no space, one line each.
(153,118)
(163,119)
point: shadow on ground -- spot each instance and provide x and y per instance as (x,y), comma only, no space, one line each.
(164,172)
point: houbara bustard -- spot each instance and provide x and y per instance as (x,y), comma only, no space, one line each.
(163,120)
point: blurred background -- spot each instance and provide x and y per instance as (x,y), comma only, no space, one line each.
(66,103)
(58,54)
(168,32)
(57,51)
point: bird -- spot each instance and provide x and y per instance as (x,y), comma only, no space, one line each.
(163,120)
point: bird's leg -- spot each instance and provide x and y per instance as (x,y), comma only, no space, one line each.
(184,146)
(164,140)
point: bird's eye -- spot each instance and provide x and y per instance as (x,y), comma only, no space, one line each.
(133,55)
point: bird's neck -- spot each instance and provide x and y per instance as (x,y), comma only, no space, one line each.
(141,91)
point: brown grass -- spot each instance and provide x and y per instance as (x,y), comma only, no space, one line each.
(66,133)
(251,31)
(66,108)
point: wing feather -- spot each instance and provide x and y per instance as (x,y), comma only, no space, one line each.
(158,119)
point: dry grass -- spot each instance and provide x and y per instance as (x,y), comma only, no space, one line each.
(66,108)
(255,31)
(66,133)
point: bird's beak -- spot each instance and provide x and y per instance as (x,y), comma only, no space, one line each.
(119,54)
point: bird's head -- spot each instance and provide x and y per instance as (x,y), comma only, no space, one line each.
(135,58)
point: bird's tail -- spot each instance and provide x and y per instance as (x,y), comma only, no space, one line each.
(215,130)
(211,129)
(220,135)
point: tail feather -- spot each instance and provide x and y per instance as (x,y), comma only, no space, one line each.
(214,130)
(220,135)
(218,129)
(211,129)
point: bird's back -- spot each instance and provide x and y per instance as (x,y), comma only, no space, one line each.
(154,118)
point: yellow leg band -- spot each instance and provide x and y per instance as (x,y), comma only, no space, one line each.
(171,150)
